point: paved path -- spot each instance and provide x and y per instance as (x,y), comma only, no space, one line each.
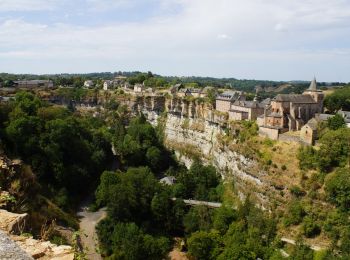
(201,203)
(88,222)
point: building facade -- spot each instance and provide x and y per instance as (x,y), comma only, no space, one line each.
(224,101)
(33,83)
(246,110)
(290,112)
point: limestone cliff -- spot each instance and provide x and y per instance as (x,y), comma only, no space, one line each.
(193,129)
(196,137)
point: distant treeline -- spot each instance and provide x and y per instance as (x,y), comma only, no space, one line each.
(164,81)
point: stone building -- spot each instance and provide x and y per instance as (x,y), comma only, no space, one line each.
(308,133)
(89,84)
(194,92)
(139,88)
(33,83)
(107,84)
(246,110)
(290,112)
(225,100)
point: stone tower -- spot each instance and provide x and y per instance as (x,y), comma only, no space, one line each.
(316,94)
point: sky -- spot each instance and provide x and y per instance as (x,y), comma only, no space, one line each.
(245,39)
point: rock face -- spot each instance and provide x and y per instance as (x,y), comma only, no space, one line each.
(12,222)
(44,250)
(9,250)
(193,129)
(15,247)
(20,247)
(198,137)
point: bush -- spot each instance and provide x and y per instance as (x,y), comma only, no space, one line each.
(204,245)
(338,188)
(310,227)
(295,213)
(336,122)
(297,191)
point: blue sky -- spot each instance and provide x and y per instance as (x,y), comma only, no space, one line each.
(260,39)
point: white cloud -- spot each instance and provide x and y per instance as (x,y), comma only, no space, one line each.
(275,38)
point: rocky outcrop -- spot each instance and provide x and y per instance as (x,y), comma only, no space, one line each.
(198,137)
(9,250)
(16,247)
(22,247)
(44,250)
(12,222)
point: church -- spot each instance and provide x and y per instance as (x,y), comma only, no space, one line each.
(290,112)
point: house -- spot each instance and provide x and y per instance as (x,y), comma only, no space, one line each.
(206,90)
(325,117)
(33,83)
(223,101)
(290,112)
(139,88)
(246,110)
(308,133)
(174,89)
(107,84)
(89,84)
(195,92)
(119,80)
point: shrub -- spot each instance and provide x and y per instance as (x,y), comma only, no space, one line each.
(310,227)
(338,188)
(295,213)
(297,191)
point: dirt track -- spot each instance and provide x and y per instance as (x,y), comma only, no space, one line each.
(88,222)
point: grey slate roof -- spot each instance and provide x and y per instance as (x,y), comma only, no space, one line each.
(266,101)
(295,98)
(248,104)
(346,115)
(313,85)
(229,95)
(323,117)
(312,123)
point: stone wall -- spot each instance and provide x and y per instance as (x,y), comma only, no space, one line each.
(269,132)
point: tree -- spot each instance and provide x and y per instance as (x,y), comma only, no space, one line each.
(131,198)
(334,150)
(223,217)
(128,242)
(336,122)
(204,245)
(339,99)
(338,188)
(104,190)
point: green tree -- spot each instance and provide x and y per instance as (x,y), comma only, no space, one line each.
(339,99)
(204,245)
(336,122)
(338,188)
(334,150)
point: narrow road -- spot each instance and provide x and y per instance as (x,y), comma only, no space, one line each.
(201,203)
(88,222)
